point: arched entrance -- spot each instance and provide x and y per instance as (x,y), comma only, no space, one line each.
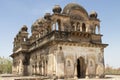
(81,68)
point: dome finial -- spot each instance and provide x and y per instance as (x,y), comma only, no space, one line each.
(93,14)
(57,9)
(24,28)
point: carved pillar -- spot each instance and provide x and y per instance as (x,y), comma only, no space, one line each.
(75,26)
(45,68)
(42,68)
(87,72)
(38,71)
(86,62)
(75,67)
(34,69)
(55,26)
(62,27)
(80,27)
(87,27)
(54,64)
(75,73)
(21,67)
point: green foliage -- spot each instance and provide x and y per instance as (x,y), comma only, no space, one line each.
(112,71)
(5,65)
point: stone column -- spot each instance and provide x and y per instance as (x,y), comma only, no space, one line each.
(75,67)
(98,29)
(81,27)
(55,26)
(38,70)
(45,68)
(34,69)
(54,65)
(87,72)
(86,62)
(62,27)
(75,26)
(42,69)
(87,27)
(75,73)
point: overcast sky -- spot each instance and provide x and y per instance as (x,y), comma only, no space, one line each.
(16,13)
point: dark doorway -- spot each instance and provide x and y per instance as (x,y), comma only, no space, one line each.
(83,27)
(81,67)
(78,68)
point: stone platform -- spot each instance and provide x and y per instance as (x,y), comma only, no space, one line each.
(10,77)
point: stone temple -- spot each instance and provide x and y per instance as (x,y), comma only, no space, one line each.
(64,44)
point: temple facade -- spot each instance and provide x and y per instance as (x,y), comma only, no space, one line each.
(64,44)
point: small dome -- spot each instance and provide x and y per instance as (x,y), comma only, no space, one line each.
(57,9)
(35,24)
(72,6)
(47,16)
(24,28)
(93,14)
(40,20)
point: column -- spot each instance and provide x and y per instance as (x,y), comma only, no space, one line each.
(54,64)
(34,69)
(55,26)
(75,73)
(42,68)
(62,27)
(81,27)
(45,68)
(38,71)
(75,26)
(87,72)
(75,67)
(98,29)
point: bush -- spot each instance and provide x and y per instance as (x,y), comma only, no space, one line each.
(112,71)
(5,65)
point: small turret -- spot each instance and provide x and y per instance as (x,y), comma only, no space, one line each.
(93,14)
(57,9)
(47,16)
(24,28)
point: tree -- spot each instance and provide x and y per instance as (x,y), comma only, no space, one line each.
(112,71)
(5,65)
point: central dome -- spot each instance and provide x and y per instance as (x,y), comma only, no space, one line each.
(74,6)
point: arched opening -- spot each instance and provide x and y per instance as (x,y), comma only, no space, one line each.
(81,68)
(83,27)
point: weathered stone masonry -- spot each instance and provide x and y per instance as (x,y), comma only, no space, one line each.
(65,44)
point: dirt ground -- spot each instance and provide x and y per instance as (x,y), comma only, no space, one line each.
(107,77)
